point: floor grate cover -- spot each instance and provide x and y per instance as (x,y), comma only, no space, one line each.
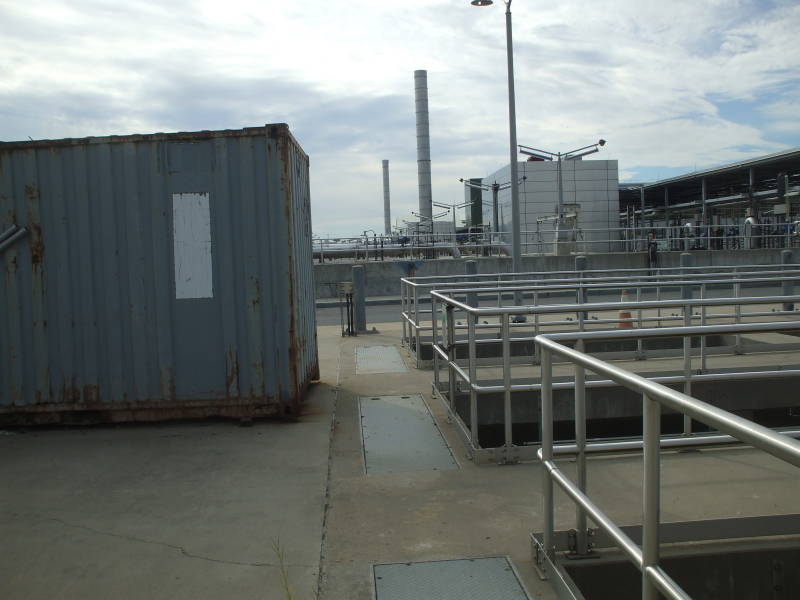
(400,435)
(468,579)
(379,359)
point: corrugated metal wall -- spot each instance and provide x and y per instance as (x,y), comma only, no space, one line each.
(92,316)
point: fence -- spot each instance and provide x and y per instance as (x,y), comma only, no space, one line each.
(545,241)
(445,349)
(417,321)
(654,395)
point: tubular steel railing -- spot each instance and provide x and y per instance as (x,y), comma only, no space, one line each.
(544,240)
(445,353)
(654,396)
(417,321)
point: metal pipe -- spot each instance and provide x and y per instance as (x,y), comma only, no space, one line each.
(507,417)
(17,234)
(623,542)
(580,443)
(651,419)
(694,440)
(547,452)
(8,233)
(473,395)
(754,434)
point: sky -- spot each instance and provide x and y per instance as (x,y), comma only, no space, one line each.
(672,86)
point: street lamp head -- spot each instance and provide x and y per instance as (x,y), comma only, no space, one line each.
(482,2)
(602,142)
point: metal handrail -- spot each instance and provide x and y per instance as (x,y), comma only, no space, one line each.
(411,289)
(646,559)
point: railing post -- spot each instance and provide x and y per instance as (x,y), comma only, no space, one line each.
(507,418)
(652,493)
(640,325)
(687,366)
(536,350)
(547,451)
(435,341)
(737,293)
(416,327)
(471,268)
(451,356)
(788,285)
(687,261)
(703,322)
(473,395)
(580,443)
(403,309)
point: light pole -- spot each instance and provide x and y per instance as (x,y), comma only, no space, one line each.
(516,246)
(561,231)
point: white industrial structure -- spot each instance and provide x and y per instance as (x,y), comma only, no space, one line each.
(591,202)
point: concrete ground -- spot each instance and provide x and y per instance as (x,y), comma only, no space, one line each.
(194,510)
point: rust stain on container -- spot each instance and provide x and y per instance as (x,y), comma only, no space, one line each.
(36,242)
(91,394)
(232,373)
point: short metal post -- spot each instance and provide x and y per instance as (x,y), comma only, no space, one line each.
(547,452)
(473,381)
(687,367)
(536,350)
(652,502)
(702,337)
(435,341)
(451,356)
(507,418)
(737,293)
(580,267)
(359,294)
(788,285)
(403,310)
(471,268)
(639,341)
(416,327)
(687,261)
(580,443)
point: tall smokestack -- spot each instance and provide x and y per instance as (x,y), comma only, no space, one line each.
(387,214)
(423,149)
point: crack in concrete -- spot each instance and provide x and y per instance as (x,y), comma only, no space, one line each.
(321,571)
(180,549)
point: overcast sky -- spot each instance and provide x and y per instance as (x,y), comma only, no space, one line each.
(673,86)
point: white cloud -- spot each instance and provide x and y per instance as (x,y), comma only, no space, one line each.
(645,75)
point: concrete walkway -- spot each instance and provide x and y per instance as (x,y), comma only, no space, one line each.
(194,510)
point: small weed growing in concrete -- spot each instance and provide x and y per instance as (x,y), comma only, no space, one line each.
(281,554)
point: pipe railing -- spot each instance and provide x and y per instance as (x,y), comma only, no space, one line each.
(654,395)
(462,377)
(414,319)
(544,241)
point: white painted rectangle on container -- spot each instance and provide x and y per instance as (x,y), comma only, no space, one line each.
(191,229)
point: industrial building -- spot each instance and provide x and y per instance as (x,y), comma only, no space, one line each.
(763,188)
(591,201)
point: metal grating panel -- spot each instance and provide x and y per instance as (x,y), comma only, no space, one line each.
(400,435)
(379,359)
(467,579)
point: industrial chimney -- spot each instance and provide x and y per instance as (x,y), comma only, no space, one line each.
(387,215)
(423,150)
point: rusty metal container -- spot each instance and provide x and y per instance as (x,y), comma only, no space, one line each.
(149,277)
